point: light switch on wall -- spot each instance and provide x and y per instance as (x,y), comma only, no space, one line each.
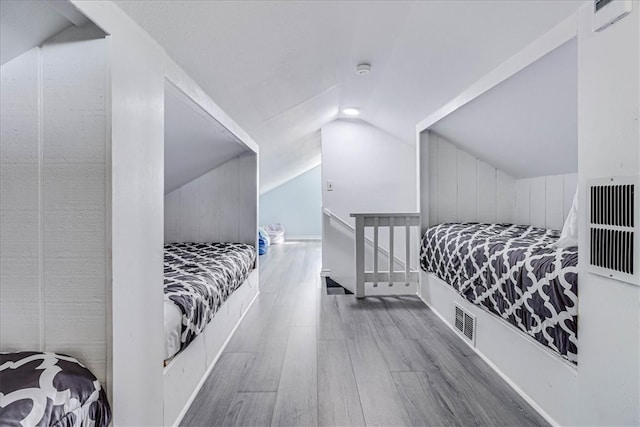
(329,185)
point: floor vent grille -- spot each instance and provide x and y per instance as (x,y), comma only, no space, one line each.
(465,322)
(613,228)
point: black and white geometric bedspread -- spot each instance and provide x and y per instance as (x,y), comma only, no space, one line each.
(199,277)
(48,389)
(515,273)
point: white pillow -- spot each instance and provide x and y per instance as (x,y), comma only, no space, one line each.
(569,236)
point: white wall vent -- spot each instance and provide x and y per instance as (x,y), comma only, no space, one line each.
(465,322)
(614,228)
(608,12)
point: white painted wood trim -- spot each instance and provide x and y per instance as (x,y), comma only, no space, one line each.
(376,248)
(178,78)
(302,238)
(560,34)
(67,10)
(351,228)
(360,257)
(391,276)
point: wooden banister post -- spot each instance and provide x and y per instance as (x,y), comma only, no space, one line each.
(359,257)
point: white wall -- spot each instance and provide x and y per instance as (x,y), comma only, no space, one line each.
(607,384)
(136,175)
(53,200)
(137,159)
(296,204)
(608,145)
(371,171)
(219,206)
(463,188)
(131,225)
(545,201)
(455,186)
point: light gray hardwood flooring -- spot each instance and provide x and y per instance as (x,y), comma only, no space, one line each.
(304,358)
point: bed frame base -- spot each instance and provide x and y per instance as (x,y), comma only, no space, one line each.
(187,371)
(505,349)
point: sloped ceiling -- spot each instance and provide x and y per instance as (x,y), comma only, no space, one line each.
(26,24)
(526,126)
(188,129)
(284,69)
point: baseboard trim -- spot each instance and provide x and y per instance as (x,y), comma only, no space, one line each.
(296,238)
(508,380)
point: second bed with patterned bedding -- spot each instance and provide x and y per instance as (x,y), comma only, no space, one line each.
(513,271)
(198,279)
(50,390)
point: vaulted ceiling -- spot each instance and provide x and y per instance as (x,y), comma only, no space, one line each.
(283,69)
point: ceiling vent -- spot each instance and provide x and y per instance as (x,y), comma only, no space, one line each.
(614,229)
(465,323)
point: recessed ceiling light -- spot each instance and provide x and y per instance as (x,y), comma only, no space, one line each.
(351,111)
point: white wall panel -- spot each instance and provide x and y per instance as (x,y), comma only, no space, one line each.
(554,202)
(523,191)
(545,201)
(433,174)
(467,187)
(447,182)
(171,217)
(229,198)
(54,275)
(137,137)
(219,206)
(74,197)
(247,206)
(609,131)
(505,197)
(487,195)
(20,215)
(189,212)
(537,201)
(208,212)
(570,187)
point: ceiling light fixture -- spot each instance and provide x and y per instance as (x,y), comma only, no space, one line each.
(351,111)
(363,69)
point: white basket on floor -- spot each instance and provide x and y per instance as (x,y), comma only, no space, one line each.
(276,233)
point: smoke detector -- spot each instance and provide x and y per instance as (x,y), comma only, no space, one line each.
(363,69)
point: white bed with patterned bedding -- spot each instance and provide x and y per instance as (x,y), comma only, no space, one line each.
(198,279)
(49,389)
(513,271)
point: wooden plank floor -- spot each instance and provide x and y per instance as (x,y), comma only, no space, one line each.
(305,358)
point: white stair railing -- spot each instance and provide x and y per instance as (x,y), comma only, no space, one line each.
(392,277)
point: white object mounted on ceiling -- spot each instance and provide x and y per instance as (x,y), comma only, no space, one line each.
(363,69)
(351,111)
(607,12)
